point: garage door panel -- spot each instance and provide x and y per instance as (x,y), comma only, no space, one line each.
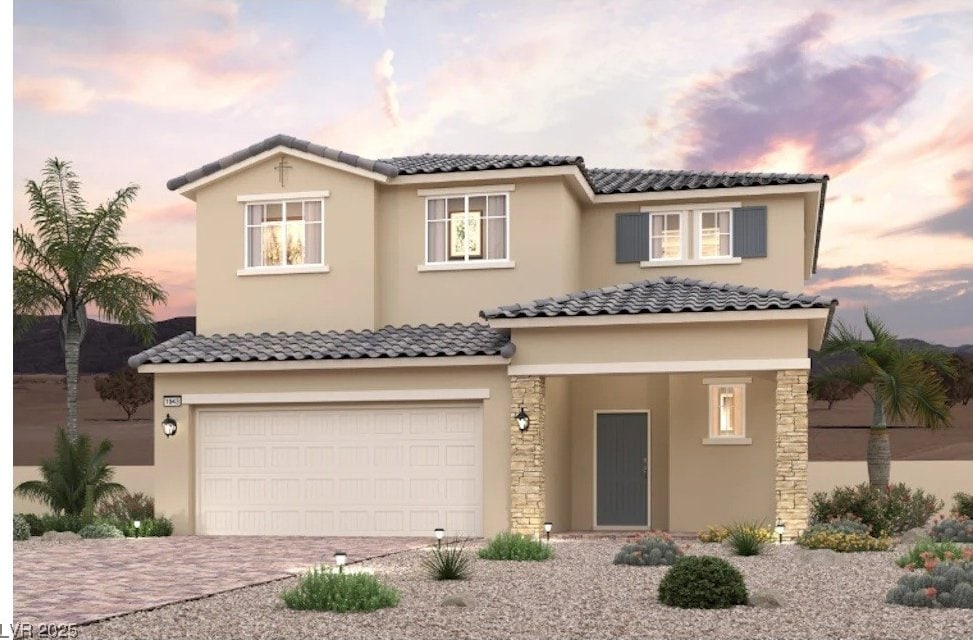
(362,471)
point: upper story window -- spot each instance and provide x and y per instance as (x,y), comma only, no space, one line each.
(284,233)
(467,228)
(715,234)
(666,236)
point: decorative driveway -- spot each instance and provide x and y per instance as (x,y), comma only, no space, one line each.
(88,580)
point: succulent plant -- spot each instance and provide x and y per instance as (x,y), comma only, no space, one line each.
(945,584)
(649,550)
(954,529)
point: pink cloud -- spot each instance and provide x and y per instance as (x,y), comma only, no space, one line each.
(54,93)
(180,213)
(781,98)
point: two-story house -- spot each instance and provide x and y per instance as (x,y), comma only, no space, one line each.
(484,343)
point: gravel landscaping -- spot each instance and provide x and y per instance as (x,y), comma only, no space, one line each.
(578,594)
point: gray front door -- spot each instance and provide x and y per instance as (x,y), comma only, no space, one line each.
(622,480)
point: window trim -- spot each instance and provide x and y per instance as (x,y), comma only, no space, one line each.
(713,436)
(455,264)
(698,216)
(282,199)
(683,215)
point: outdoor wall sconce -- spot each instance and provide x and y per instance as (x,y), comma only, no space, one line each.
(169,426)
(547,530)
(340,559)
(440,532)
(523,420)
(779,530)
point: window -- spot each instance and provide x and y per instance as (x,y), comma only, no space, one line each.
(726,410)
(467,228)
(715,233)
(665,234)
(285,233)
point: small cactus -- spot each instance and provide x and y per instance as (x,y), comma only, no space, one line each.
(650,550)
(945,585)
(954,529)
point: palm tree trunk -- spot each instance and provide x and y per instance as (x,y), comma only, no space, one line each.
(72,355)
(879,448)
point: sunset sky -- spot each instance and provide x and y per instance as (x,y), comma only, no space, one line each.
(877,94)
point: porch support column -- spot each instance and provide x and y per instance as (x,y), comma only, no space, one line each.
(791,474)
(527,507)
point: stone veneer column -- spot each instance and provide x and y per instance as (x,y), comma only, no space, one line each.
(791,473)
(527,508)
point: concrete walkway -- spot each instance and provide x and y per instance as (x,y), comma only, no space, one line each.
(88,580)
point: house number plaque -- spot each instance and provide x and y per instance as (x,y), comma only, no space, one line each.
(171,401)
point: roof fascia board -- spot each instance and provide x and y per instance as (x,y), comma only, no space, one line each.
(189,188)
(311,365)
(657,366)
(697,194)
(682,317)
(496,174)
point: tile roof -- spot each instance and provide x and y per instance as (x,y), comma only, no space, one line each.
(602,181)
(662,295)
(388,342)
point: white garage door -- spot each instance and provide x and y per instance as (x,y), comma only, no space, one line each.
(361,471)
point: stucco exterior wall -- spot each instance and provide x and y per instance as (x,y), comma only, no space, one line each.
(719,484)
(783,268)
(544,223)
(341,299)
(175,456)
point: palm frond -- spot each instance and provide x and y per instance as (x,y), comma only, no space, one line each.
(125,297)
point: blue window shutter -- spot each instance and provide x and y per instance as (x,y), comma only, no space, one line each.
(750,232)
(631,237)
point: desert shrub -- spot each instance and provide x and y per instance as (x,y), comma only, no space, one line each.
(748,538)
(652,549)
(61,522)
(850,525)
(824,538)
(926,549)
(127,506)
(448,562)
(944,584)
(702,582)
(888,511)
(713,534)
(35,524)
(21,528)
(322,589)
(953,530)
(515,546)
(100,530)
(963,504)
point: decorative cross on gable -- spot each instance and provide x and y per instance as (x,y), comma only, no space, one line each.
(280,167)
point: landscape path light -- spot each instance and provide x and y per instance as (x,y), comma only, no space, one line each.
(440,533)
(138,525)
(547,530)
(340,558)
(779,530)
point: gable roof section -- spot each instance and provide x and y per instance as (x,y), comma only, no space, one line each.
(388,342)
(601,181)
(662,295)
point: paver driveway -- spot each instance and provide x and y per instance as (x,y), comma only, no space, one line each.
(78,582)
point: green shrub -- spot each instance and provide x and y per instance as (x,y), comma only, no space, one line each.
(36,526)
(824,538)
(945,584)
(127,506)
(515,546)
(748,538)
(702,582)
(887,511)
(713,534)
(100,530)
(926,549)
(448,562)
(61,522)
(953,530)
(322,589)
(149,528)
(652,549)
(21,528)
(963,504)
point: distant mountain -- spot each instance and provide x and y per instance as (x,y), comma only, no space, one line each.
(818,361)
(106,346)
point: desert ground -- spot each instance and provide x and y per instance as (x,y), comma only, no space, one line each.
(837,434)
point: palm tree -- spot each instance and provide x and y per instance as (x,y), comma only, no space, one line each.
(903,384)
(75,260)
(69,474)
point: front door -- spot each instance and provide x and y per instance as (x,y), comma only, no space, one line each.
(622,471)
